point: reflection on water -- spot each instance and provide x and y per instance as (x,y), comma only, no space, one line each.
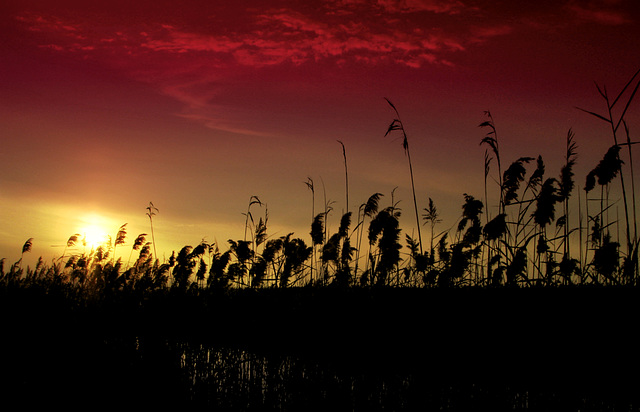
(240,380)
(503,359)
(154,372)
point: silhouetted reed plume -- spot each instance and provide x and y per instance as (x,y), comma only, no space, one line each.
(396,124)
(151,212)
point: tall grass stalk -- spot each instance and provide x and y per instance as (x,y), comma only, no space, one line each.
(71,242)
(119,240)
(310,186)
(137,244)
(25,248)
(629,143)
(319,230)
(366,210)
(327,208)
(151,212)
(615,124)
(635,242)
(581,238)
(432,217)
(248,216)
(566,187)
(397,124)
(346,177)
(491,139)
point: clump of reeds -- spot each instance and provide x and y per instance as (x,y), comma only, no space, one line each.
(522,238)
(611,165)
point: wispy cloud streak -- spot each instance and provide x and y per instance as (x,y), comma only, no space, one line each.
(603,12)
(188,62)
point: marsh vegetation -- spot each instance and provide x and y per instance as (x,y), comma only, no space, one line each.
(522,231)
(363,317)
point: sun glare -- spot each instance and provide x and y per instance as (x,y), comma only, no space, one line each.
(93,233)
(94,236)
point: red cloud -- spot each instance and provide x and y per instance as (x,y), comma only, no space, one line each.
(407,6)
(181,42)
(314,40)
(596,13)
(276,37)
(481,34)
(193,64)
(435,6)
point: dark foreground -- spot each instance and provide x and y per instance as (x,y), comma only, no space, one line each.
(327,349)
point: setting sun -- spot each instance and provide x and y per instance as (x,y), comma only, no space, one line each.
(94,232)
(94,236)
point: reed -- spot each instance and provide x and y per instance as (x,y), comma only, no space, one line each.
(25,248)
(397,124)
(566,185)
(614,124)
(346,177)
(151,212)
(119,239)
(310,186)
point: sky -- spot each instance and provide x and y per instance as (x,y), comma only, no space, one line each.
(197,106)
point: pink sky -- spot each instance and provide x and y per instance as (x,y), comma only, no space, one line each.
(199,105)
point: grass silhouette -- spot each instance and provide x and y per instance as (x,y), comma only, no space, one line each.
(504,294)
(527,243)
(397,124)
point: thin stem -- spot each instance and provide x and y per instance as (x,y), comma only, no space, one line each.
(633,184)
(624,191)
(580,233)
(151,209)
(346,176)
(398,125)
(309,184)
(415,203)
